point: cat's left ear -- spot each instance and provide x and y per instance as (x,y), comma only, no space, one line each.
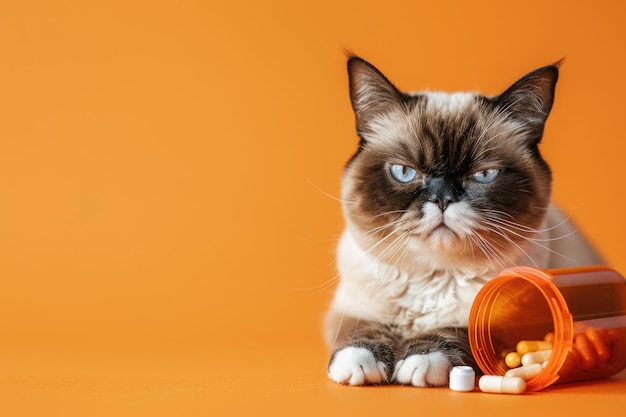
(530,98)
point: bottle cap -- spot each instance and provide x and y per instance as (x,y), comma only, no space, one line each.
(462,378)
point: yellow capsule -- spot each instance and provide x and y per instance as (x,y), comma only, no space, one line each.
(513,359)
(539,356)
(525,372)
(501,384)
(549,337)
(526,346)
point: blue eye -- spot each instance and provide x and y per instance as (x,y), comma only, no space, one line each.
(486,176)
(402,173)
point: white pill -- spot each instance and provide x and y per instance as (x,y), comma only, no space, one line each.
(536,357)
(462,378)
(501,384)
(525,372)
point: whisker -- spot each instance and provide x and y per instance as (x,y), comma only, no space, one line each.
(502,230)
(368,269)
(500,233)
(490,252)
(332,281)
(326,193)
(399,243)
(495,216)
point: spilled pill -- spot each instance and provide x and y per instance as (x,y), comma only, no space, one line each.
(501,384)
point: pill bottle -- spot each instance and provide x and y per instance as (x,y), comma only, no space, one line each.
(581,310)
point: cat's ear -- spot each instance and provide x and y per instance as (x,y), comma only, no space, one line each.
(370,91)
(530,98)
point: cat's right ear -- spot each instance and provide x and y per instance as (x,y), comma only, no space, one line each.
(371,92)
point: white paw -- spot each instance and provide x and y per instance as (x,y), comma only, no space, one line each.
(423,370)
(356,366)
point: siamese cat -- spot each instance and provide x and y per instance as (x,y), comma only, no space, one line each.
(443,192)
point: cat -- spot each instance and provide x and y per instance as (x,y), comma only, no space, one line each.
(444,191)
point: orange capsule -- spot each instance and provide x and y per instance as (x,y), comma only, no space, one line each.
(549,337)
(596,337)
(572,363)
(584,347)
(612,335)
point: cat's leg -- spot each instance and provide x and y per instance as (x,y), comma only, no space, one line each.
(365,352)
(428,359)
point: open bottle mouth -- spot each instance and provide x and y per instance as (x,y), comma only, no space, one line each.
(522,303)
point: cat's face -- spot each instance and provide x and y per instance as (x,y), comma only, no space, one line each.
(448,177)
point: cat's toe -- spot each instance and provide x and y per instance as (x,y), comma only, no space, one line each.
(356,366)
(423,370)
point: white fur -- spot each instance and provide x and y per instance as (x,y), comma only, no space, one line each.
(449,102)
(427,289)
(416,298)
(459,220)
(423,370)
(356,366)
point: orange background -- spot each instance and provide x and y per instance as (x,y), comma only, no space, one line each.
(167,225)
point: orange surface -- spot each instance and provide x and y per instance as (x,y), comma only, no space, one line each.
(166,230)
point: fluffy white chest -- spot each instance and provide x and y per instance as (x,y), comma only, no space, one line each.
(413,301)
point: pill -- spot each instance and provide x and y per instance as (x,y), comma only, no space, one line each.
(501,384)
(543,365)
(539,356)
(525,372)
(549,337)
(462,379)
(612,335)
(572,361)
(586,351)
(513,359)
(526,346)
(505,352)
(599,345)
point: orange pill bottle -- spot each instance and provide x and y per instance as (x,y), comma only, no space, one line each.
(582,311)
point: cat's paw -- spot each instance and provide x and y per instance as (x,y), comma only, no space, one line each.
(357,366)
(423,370)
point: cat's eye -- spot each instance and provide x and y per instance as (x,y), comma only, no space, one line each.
(486,176)
(402,173)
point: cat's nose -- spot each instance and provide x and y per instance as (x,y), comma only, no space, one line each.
(443,191)
(441,201)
